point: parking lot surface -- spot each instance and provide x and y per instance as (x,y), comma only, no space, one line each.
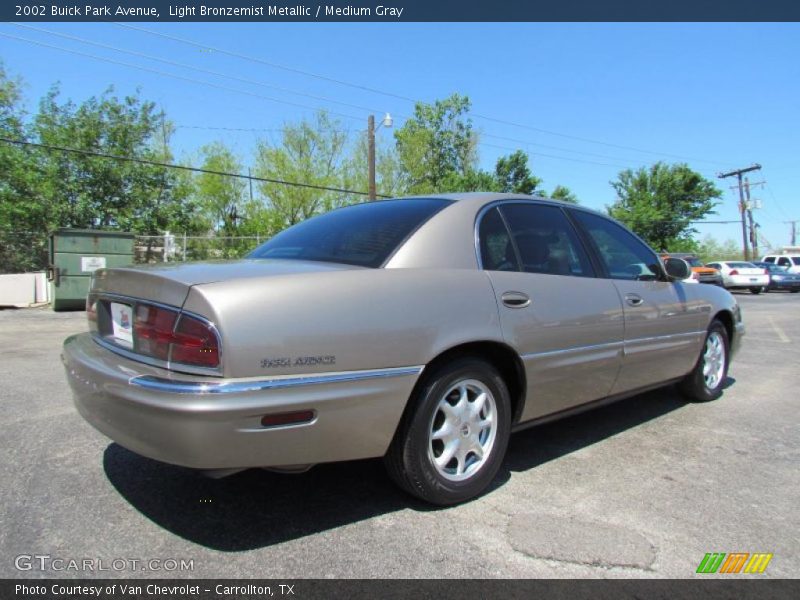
(641,488)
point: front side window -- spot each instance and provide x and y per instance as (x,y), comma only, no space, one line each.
(364,235)
(545,240)
(624,256)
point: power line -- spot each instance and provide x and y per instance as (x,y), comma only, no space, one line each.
(284,89)
(194,68)
(399,96)
(172,75)
(155,163)
(265,62)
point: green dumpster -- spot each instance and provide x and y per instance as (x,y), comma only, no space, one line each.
(77,253)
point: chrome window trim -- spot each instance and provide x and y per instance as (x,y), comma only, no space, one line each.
(177,367)
(160,384)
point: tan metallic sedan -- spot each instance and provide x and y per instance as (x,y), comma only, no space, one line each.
(422,330)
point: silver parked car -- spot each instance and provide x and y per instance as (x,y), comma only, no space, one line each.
(421,330)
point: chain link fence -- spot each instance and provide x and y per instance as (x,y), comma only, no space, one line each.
(150,249)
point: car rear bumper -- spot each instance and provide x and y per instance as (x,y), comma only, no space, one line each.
(784,285)
(747,281)
(205,423)
(712,279)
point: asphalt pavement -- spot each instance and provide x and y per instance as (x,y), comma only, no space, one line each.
(641,488)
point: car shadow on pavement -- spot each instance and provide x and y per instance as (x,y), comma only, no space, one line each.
(257,508)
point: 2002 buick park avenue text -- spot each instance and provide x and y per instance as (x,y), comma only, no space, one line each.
(443,323)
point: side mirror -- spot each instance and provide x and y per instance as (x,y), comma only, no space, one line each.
(677,268)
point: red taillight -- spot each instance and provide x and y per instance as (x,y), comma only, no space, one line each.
(734,272)
(152,330)
(766,271)
(195,343)
(192,342)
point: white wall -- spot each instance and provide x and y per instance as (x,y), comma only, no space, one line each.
(23,289)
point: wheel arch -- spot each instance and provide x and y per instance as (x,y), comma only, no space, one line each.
(500,355)
(726,318)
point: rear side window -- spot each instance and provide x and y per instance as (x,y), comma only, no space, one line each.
(624,255)
(364,235)
(545,240)
(796,260)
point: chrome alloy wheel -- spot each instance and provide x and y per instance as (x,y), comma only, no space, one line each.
(714,360)
(462,430)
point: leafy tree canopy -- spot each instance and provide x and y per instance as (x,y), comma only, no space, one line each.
(660,202)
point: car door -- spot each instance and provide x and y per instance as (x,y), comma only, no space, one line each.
(566,323)
(663,322)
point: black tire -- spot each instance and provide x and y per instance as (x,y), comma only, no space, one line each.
(411,458)
(755,290)
(696,386)
(794,291)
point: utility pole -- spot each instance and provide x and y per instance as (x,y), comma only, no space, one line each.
(371,155)
(387,121)
(753,225)
(742,205)
(794,231)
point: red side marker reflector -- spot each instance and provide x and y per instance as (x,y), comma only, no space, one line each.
(290,418)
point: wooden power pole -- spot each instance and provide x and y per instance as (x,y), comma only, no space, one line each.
(742,203)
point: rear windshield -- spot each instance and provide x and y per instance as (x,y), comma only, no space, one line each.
(741,265)
(364,235)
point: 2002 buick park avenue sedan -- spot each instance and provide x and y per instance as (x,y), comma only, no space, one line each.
(422,330)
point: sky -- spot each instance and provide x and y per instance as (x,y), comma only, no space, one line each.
(584,100)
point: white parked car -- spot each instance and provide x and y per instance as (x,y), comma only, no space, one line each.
(741,275)
(790,261)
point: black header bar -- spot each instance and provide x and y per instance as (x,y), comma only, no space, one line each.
(393,11)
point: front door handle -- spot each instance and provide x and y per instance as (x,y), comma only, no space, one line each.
(634,299)
(515,299)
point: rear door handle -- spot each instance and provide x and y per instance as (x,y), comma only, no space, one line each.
(634,299)
(515,299)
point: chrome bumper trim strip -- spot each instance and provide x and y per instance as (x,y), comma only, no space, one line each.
(160,384)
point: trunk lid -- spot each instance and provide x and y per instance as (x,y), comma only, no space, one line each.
(170,283)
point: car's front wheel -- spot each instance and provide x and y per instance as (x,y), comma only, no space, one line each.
(707,379)
(453,438)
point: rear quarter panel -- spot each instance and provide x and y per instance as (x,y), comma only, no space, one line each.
(363,319)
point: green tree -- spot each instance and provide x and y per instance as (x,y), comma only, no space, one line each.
(91,191)
(513,174)
(221,197)
(23,215)
(389,180)
(311,153)
(709,249)
(563,193)
(660,202)
(436,145)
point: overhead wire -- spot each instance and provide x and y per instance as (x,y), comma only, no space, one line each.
(156,163)
(374,90)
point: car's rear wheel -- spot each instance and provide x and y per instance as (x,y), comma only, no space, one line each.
(755,290)
(454,435)
(707,379)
